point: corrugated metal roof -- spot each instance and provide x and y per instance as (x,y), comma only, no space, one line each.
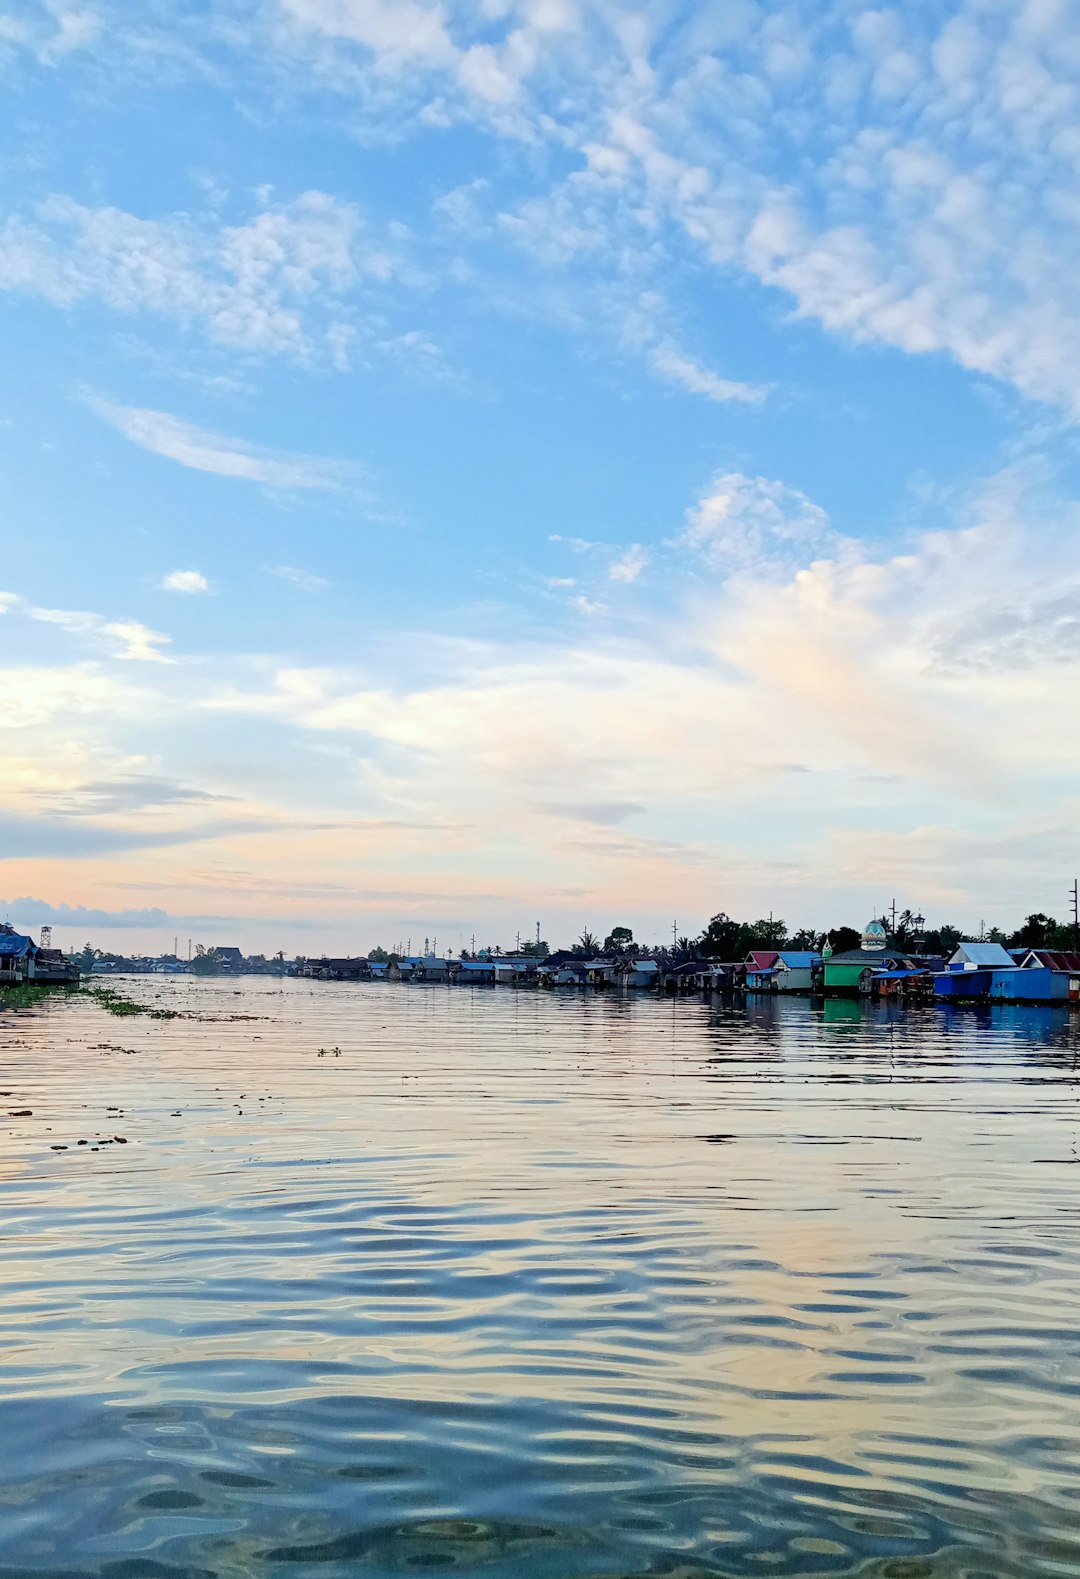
(1054,959)
(800,959)
(985,954)
(12,943)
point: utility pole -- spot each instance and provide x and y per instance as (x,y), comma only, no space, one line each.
(675,934)
(893,914)
(1075,896)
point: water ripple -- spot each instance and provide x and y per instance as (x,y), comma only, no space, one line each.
(537,1285)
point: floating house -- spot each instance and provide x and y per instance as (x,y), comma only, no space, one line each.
(762,979)
(639,973)
(512,972)
(761,959)
(475,973)
(16,958)
(1032,984)
(600,972)
(431,968)
(849,973)
(22,960)
(563,973)
(1050,959)
(908,982)
(981,956)
(797,970)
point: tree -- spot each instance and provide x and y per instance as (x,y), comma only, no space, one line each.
(378,954)
(942,940)
(207,962)
(535,949)
(588,943)
(843,938)
(720,938)
(806,939)
(1034,932)
(618,940)
(767,934)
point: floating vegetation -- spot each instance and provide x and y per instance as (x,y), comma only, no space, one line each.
(26,994)
(114,1002)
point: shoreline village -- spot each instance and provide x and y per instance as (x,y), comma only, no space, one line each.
(878,963)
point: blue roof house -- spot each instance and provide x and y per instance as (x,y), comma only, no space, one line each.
(797,970)
(981,956)
(16,956)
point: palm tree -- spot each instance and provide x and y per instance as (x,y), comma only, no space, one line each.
(588,942)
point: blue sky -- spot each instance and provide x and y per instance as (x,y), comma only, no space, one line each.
(471,463)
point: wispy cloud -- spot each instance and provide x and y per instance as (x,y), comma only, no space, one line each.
(756,526)
(128,640)
(187,581)
(678,368)
(299,578)
(182,442)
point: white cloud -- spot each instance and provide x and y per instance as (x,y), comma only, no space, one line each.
(128,640)
(630,565)
(903,179)
(299,578)
(176,440)
(52,30)
(8,600)
(188,581)
(755,526)
(678,368)
(275,285)
(398,32)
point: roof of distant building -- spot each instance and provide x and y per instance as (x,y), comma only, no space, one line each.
(13,944)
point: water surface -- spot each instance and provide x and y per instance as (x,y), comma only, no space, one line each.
(410,1280)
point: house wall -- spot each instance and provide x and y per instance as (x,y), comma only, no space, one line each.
(843,978)
(797,980)
(962,984)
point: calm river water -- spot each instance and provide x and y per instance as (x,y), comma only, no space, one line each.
(406,1279)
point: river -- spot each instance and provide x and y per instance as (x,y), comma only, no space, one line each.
(370,1279)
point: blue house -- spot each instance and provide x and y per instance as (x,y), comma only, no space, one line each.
(962,982)
(16,957)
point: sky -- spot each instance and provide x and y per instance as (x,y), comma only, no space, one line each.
(489,462)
